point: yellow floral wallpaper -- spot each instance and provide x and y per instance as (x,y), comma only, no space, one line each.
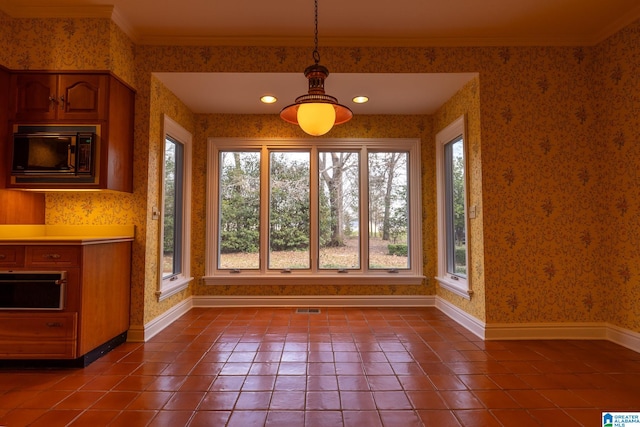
(555,175)
(58,44)
(162,102)
(121,55)
(615,115)
(540,187)
(467,102)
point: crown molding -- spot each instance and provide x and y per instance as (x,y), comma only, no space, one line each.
(617,25)
(111,12)
(16,11)
(122,22)
(157,40)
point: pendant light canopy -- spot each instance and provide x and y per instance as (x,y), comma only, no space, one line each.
(316,112)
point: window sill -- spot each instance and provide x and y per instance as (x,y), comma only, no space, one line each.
(455,287)
(173,287)
(313,279)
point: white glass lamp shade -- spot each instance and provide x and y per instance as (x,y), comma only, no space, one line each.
(316,118)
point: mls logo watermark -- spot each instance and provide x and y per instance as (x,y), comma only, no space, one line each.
(621,419)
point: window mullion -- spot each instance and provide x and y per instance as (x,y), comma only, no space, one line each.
(415,209)
(364,209)
(264,209)
(314,229)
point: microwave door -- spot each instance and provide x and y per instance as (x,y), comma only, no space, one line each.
(42,154)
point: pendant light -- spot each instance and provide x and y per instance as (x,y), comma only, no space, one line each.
(316,112)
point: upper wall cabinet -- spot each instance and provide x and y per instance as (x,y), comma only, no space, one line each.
(96,99)
(44,97)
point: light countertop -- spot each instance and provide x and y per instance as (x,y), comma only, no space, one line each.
(80,234)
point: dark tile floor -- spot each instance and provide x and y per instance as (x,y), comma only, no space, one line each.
(342,367)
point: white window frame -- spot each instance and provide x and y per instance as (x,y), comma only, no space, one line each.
(459,285)
(174,284)
(264,276)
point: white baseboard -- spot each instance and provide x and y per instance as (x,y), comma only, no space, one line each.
(489,332)
(540,331)
(316,301)
(624,337)
(138,333)
(464,319)
(546,331)
(564,331)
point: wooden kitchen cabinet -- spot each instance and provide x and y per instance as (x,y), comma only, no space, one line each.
(55,335)
(95,315)
(31,204)
(11,256)
(44,97)
(61,98)
(52,256)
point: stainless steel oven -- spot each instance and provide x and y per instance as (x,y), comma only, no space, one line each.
(32,290)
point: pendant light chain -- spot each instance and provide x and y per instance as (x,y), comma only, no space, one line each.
(316,112)
(316,54)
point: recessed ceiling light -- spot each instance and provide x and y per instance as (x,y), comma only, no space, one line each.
(361,99)
(268,99)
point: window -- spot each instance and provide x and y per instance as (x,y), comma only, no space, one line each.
(172,208)
(289,210)
(298,212)
(175,210)
(453,255)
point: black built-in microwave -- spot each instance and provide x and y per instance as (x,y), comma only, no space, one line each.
(64,153)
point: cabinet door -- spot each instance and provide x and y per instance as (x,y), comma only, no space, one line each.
(5,116)
(82,97)
(11,256)
(35,97)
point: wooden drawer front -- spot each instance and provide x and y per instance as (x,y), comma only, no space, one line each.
(44,256)
(37,326)
(11,256)
(38,336)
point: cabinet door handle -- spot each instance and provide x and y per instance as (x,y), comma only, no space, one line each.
(62,104)
(54,324)
(51,256)
(2,256)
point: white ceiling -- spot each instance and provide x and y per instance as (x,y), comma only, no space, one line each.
(340,23)
(364,22)
(239,93)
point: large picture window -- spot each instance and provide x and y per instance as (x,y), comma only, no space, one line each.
(453,253)
(296,212)
(175,210)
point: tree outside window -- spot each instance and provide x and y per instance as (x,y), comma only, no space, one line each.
(305,208)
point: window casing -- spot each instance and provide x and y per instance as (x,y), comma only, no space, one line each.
(172,205)
(292,189)
(175,211)
(453,223)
